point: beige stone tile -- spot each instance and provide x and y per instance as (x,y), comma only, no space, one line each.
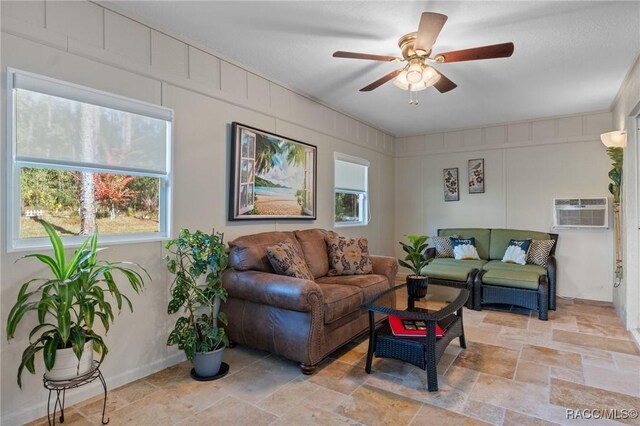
(430,415)
(488,359)
(522,397)
(513,418)
(200,395)
(158,408)
(460,378)
(598,362)
(583,350)
(506,319)
(627,362)
(135,390)
(288,396)
(552,357)
(482,335)
(169,376)
(562,321)
(508,343)
(71,418)
(583,309)
(338,376)
(530,372)
(230,411)
(326,399)
(254,382)
(92,408)
(599,342)
(308,414)
(576,396)
(372,405)
(394,367)
(485,412)
(566,374)
(627,382)
(597,327)
(445,362)
(352,352)
(241,356)
(588,302)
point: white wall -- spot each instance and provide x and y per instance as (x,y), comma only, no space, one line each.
(83,43)
(527,164)
(626,108)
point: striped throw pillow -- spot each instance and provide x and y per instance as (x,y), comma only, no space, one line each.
(539,252)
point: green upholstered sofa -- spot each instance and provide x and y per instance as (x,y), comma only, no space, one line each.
(492,281)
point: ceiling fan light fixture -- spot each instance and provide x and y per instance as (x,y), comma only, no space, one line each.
(430,76)
(414,73)
(402,82)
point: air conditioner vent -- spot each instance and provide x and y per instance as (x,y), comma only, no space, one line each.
(586,212)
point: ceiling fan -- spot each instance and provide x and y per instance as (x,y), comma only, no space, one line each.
(416,48)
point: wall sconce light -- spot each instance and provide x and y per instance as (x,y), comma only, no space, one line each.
(615,142)
(615,139)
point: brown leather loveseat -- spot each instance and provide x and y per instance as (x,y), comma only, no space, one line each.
(299,319)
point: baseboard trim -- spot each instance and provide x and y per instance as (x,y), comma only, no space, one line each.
(635,333)
(36,411)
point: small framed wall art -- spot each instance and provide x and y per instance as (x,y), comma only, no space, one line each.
(476,176)
(272,177)
(451,187)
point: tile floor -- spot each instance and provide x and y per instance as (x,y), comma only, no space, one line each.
(516,370)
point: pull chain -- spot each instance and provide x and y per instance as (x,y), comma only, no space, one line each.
(413,96)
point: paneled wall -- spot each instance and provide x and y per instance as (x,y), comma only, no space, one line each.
(86,44)
(527,164)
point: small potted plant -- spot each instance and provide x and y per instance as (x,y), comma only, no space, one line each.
(415,260)
(67,305)
(198,260)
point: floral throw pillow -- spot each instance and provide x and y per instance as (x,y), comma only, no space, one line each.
(516,252)
(464,248)
(348,256)
(286,259)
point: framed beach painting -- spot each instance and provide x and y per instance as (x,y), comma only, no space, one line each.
(272,177)
(451,188)
(476,176)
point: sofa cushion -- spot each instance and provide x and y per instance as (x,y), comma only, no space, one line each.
(539,252)
(314,249)
(250,251)
(287,259)
(500,240)
(505,278)
(348,256)
(517,251)
(493,265)
(472,264)
(370,284)
(451,269)
(464,248)
(340,300)
(481,235)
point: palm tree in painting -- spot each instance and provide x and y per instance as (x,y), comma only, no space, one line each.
(267,150)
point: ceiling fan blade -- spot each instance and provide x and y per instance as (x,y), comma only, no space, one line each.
(367,56)
(503,50)
(444,84)
(379,82)
(430,26)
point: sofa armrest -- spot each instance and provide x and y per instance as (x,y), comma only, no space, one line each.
(273,290)
(430,253)
(385,265)
(552,273)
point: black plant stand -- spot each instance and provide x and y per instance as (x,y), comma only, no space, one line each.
(61,386)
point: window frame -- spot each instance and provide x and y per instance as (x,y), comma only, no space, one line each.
(365,216)
(103,99)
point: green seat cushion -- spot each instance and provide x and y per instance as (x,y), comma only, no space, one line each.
(457,271)
(481,235)
(493,265)
(450,261)
(518,279)
(500,240)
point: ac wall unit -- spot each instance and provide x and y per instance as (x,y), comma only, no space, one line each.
(587,212)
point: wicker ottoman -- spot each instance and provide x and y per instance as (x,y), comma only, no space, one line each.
(525,289)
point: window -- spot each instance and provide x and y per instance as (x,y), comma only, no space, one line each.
(351,189)
(84,160)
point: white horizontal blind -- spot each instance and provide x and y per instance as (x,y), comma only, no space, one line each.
(350,176)
(126,134)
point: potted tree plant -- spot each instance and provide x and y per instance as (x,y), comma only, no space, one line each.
(67,305)
(415,260)
(198,260)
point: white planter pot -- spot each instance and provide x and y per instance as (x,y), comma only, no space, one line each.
(66,366)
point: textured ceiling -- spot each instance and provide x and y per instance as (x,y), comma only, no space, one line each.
(569,57)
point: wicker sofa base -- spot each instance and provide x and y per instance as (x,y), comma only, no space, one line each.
(468,284)
(536,300)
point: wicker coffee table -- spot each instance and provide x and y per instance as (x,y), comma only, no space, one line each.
(441,305)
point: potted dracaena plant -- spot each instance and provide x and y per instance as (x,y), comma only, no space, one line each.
(67,305)
(198,260)
(415,260)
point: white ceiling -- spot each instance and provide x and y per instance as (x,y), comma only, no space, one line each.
(569,57)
